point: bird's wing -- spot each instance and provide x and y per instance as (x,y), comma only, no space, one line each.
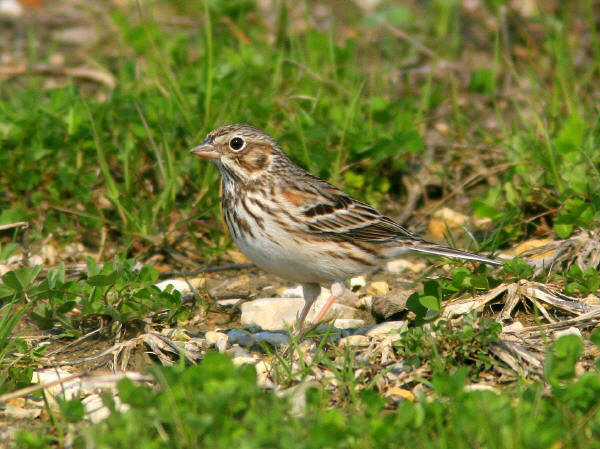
(327,210)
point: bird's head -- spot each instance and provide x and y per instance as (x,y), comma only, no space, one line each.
(241,151)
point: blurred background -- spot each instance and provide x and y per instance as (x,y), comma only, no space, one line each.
(484,110)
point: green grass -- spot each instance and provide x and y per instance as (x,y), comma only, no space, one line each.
(217,405)
(78,157)
(428,93)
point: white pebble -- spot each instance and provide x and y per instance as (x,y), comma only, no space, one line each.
(178,284)
(387,328)
(358,282)
(295,292)
(10,9)
(271,313)
(514,327)
(217,339)
(568,331)
(348,323)
(239,361)
(367,302)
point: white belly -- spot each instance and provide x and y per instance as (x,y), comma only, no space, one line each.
(279,253)
(284,252)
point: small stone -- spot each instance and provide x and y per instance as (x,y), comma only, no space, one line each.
(387,307)
(240,337)
(345,296)
(239,361)
(10,9)
(35,260)
(263,373)
(49,253)
(591,300)
(198,282)
(212,337)
(295,292)
(272,313)
(217,339)
(335,312)
(273,338)
(367,302)
(348,323)
(228,303)
(358,282)
(177,284)
(237,351)
(568,331)
(387,328)
(263,367)
(325,327)
(514,327)
(354,340)
(378,288)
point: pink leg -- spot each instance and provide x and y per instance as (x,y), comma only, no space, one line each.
(337,290)
(325,308)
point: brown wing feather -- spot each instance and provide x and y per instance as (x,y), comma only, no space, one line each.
(327,210)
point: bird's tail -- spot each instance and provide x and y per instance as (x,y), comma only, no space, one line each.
(440,250)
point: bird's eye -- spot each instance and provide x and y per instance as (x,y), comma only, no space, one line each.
(237,143)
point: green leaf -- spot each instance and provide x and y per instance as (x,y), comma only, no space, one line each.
(563,230)
(413,304)
(103,280)
(431,302)
(72,410)
(560,362)
(21,279)
(56,274)
(595,337)
(92,266)
(10,280)
(518,267)
(571,135)
(450,384)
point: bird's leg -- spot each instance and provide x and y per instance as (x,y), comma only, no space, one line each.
(337,289)
(311,293)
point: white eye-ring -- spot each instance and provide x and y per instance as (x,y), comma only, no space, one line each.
(237,144)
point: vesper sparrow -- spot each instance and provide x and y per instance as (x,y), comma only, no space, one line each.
(298,226)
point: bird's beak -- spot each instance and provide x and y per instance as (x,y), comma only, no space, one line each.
(206,150)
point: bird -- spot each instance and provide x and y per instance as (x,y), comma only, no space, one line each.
(298,226)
